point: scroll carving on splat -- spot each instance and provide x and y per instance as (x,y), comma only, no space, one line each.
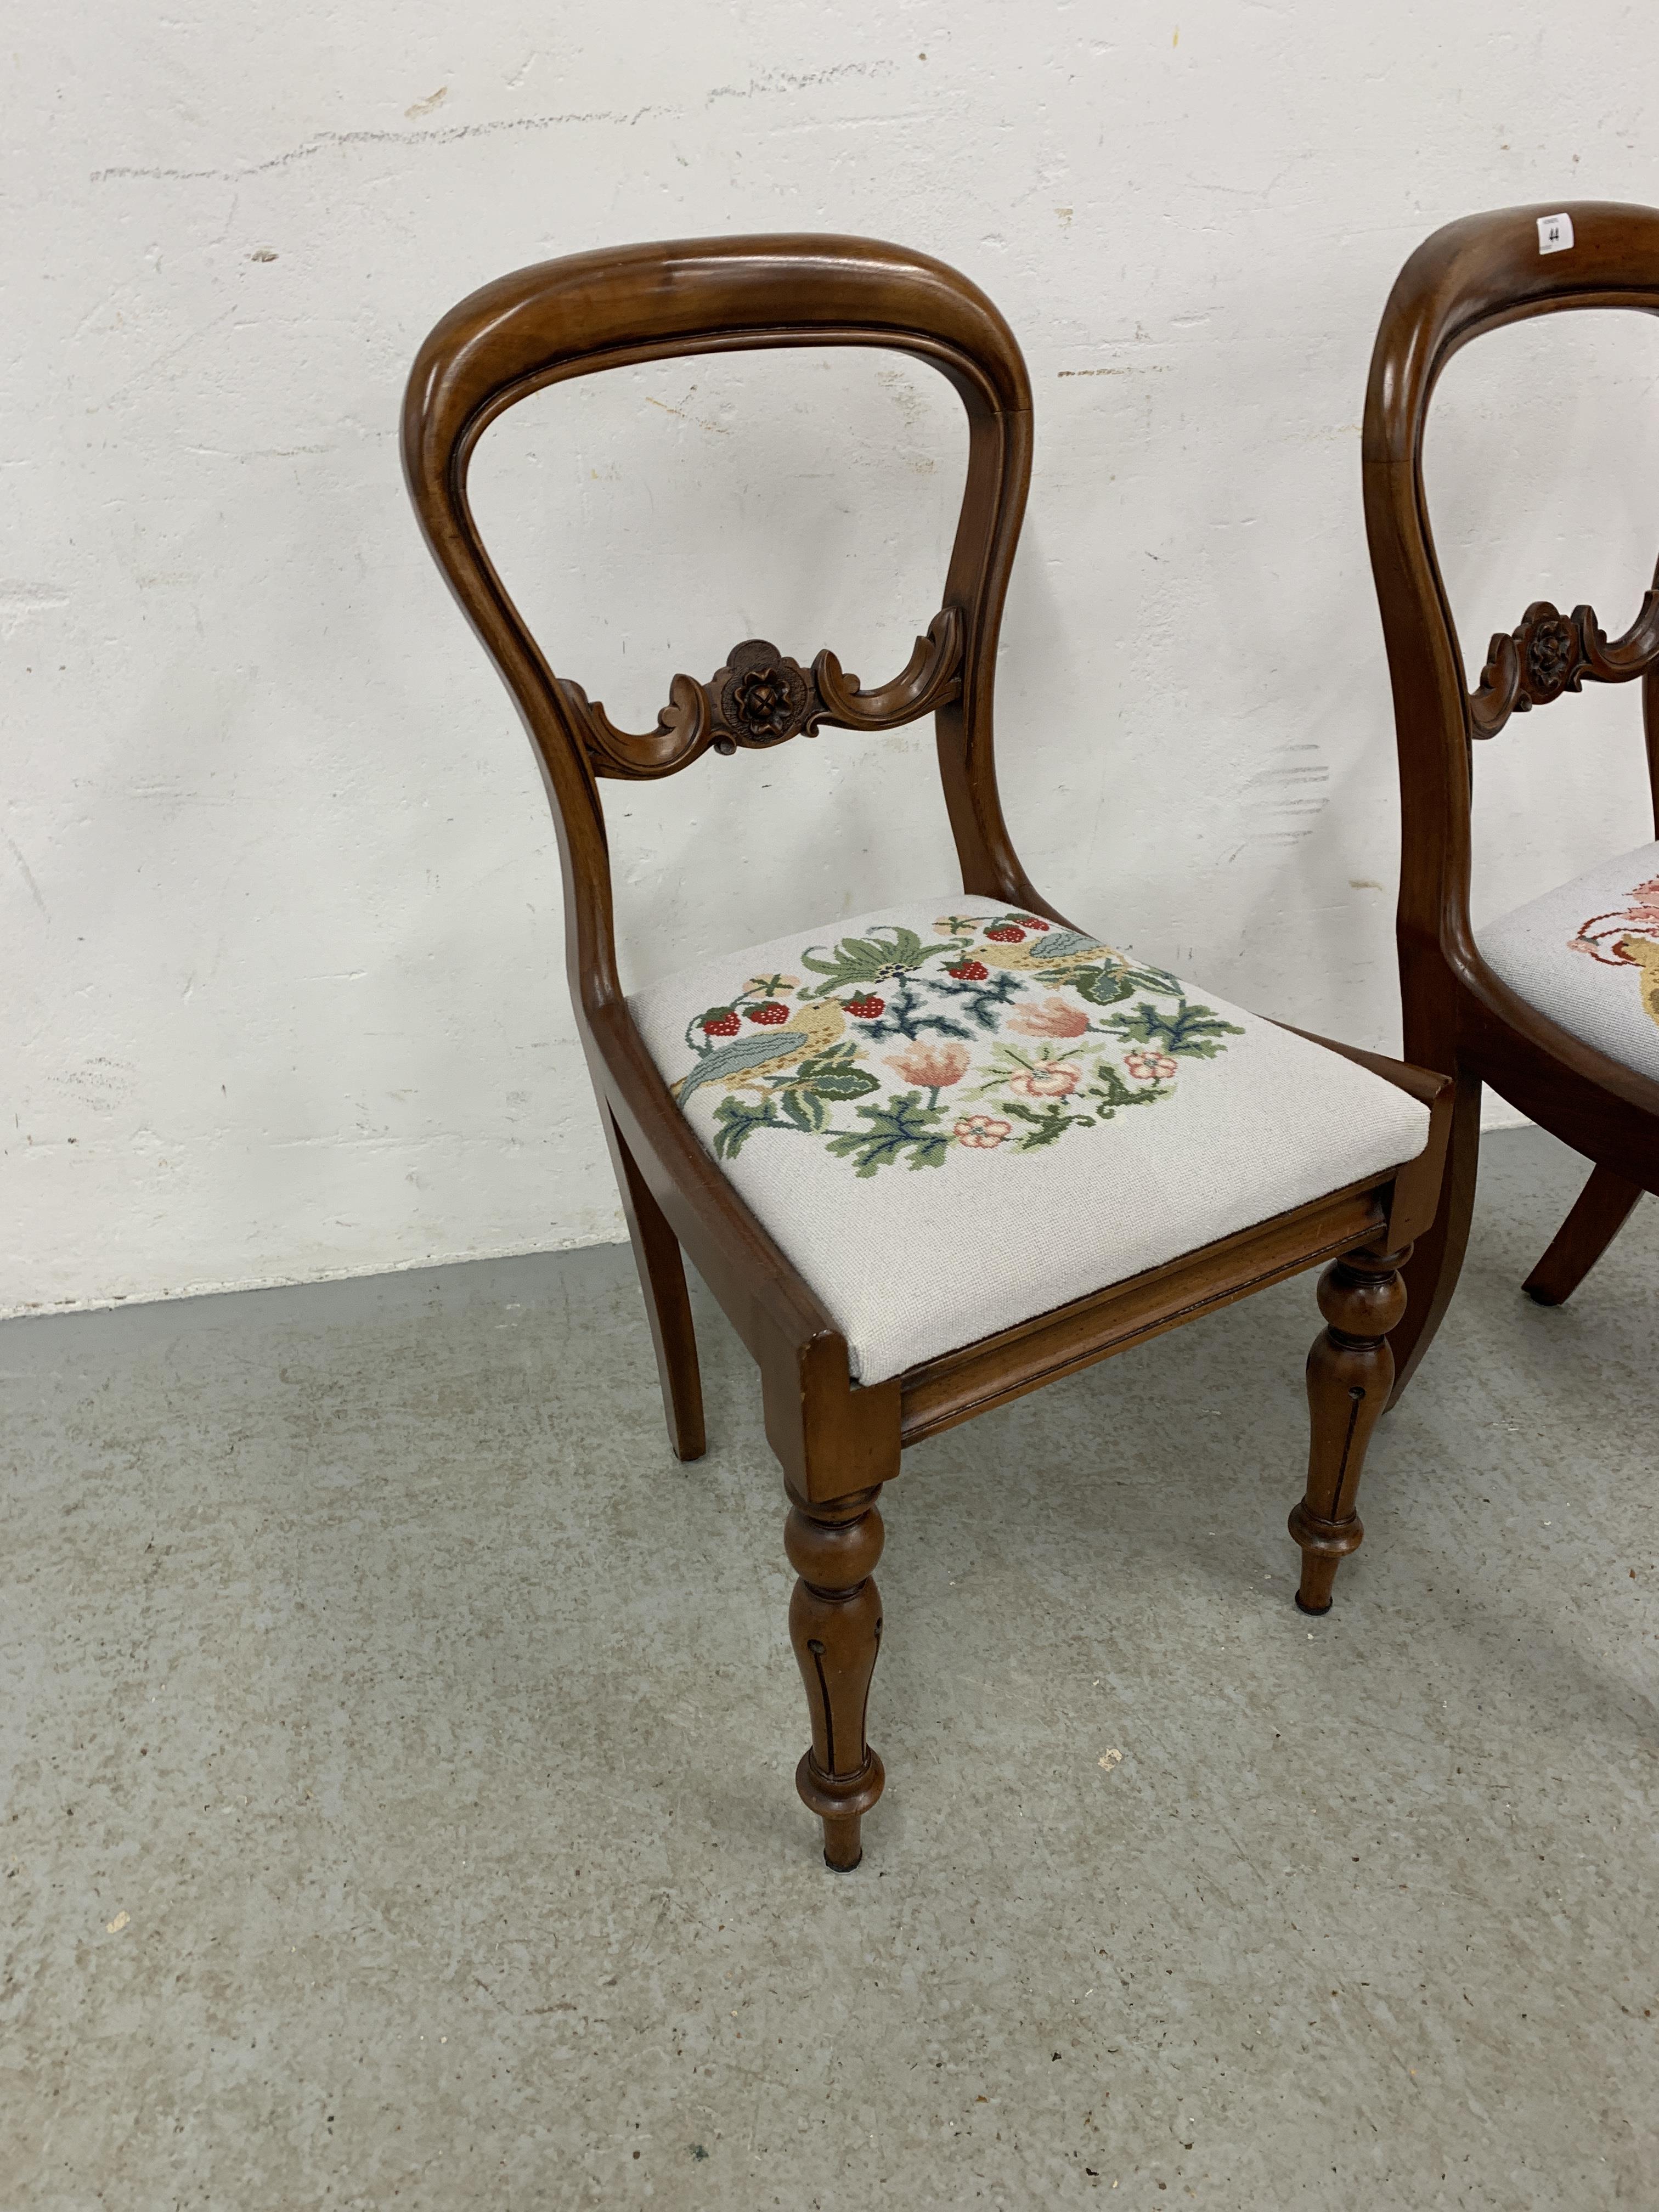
(763,698)
(1551,652)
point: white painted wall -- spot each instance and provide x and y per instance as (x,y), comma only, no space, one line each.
(282,991)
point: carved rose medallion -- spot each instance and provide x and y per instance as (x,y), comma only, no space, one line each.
(763,699)
(1551,651)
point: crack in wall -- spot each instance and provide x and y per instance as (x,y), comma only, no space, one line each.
(322,141)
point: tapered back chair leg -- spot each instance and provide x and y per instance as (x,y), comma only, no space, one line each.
(1437,1259)
(1604,1205)
(662,1278)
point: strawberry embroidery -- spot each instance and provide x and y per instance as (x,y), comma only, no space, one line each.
(1029,922)
(866,1009)
(770,1013)
(1005,933)
(969,971)
(721,1021)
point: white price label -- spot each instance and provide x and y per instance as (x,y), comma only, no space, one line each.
(1554,233)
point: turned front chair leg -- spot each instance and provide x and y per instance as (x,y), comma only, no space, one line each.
(834,1625)
(1350,1375)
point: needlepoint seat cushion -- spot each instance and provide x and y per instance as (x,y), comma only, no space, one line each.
(1587,954)
(952,1116)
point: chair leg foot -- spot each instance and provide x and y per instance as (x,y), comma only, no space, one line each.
(834,1625)
(1350,1374)
(1603,1206)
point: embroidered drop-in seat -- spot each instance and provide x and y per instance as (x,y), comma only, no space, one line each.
(1587,955)
(956,1115)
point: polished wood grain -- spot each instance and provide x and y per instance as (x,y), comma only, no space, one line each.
(834,1625)
(1350,1375)
(1476,276)
(661,1267)
(837,1442)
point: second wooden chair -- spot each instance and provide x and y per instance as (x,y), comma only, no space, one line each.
(1555,1006)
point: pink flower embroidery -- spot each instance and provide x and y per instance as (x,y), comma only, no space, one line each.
(1149,1066)
(1057,1080)
(1053,1018)
(1605,936)
(982,1133)
(932,1066)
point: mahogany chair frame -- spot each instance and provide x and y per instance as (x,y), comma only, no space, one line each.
(1472,276)
(839,1442)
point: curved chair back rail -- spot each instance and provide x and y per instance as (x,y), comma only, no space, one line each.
(1472,276)
(591,311)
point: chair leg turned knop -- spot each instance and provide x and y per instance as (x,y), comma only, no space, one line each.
(1350,1374)
(834,1625)
(1603,1206)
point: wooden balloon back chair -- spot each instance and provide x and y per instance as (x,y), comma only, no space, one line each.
(1556,1006)
(801,1216)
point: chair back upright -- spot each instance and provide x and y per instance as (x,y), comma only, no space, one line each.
(590,311)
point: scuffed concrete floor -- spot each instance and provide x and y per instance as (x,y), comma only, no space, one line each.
(397,1751)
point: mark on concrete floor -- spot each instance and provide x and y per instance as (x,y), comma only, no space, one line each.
(1111,1758)
(114,1927)
(425,107)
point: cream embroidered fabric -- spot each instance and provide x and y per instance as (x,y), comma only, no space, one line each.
(954,1115)
(1587,954)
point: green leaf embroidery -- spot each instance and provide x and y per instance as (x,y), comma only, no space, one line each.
(1047,1125)
(1194,1031)
(901,1125)
(867,960)
(1110,1088)
(844,1083)
(832,1074)
(737,1118)
(1102,986)
(805,1109)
